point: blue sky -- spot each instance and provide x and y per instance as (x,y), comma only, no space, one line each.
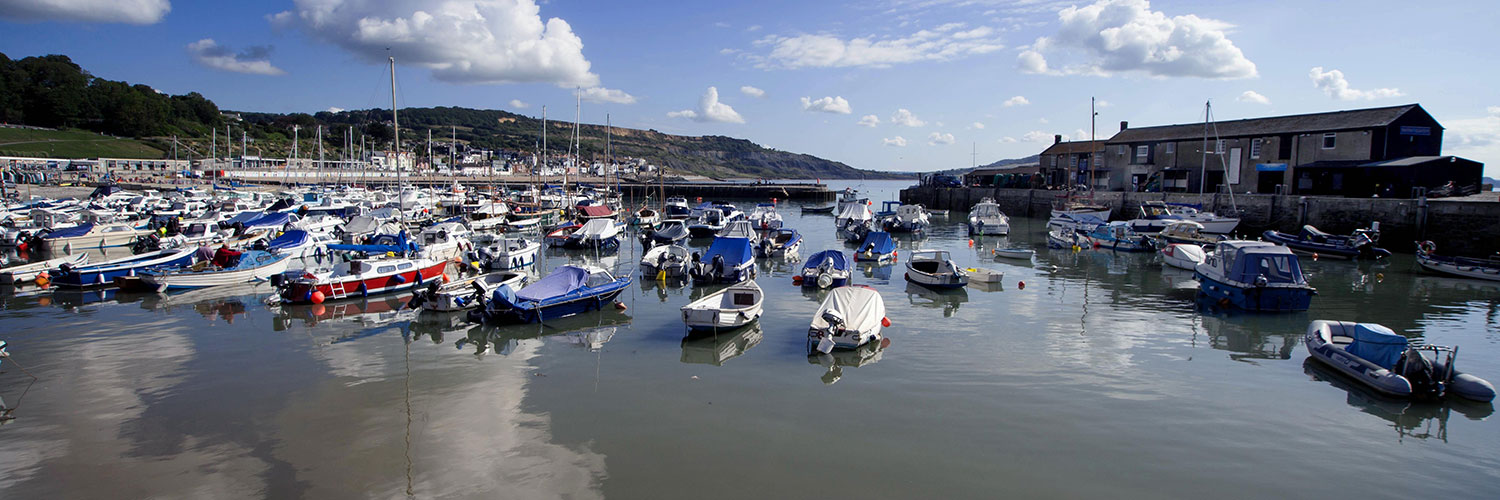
(826,78)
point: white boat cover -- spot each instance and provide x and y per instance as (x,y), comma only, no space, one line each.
(862,309)
(598,229)
(856,212)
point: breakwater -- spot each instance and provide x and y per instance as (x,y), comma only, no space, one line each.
(635,189)
(1458,227)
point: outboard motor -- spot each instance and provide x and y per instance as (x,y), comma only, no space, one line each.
(1417,369)
(718,266)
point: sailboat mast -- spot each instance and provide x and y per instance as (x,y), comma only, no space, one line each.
(320,157)
(1203,164)
(1093,118)
(396,141)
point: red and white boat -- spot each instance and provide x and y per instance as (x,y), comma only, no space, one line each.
(359,278)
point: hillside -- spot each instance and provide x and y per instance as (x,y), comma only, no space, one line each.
(1001,163)
(72,144)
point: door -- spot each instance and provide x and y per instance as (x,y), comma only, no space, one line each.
(1234,166)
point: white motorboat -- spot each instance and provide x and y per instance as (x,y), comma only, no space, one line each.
(850,317)
(935,269)
(23,273)
(666,262)
(1013,253)
(91,236)
(466,293)
(444,241)
(1183,255)
(1212,223)
(733,307)
(986,219)
(253,266)
(510,253)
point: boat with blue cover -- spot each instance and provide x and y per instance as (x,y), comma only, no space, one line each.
(876,247)
(784,242)
(1388,363)
(569,290)
(1120,236)
(1358,245)
(104,273)
(1254,276)
(825,269)
(728,260)
(252,266)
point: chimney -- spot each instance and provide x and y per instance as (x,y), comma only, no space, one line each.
(1056,138)
(1124,125)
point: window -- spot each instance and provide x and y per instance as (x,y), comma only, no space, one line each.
(1328,140)
(385,269)
(1171,147)
(1255,145)
(1123,149)
(1141,153)
(1054,161)
(404,266)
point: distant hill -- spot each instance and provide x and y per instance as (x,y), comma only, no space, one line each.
(47,143)
(1002,163)
(1491,182)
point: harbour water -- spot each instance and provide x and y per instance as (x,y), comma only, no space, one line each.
(1101,377)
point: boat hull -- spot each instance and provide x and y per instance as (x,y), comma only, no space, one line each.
(300,292)
(1450,268)
(988,228)
(28,272)
(104,274)
(1253,298)
(584,303)
(165,280)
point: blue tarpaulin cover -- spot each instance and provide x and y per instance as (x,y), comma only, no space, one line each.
(735,251)
(1085,219)
(382,243)
(565,279)
(69,232)
(1377,344)
(878,242)
(1277,263)
(840,262)
(289,239)
(270,220)
(246,216)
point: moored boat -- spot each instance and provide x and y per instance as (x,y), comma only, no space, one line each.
(986,219)
(665,262)
(1254,276)
(251,266)
(569,290)
(1388,363)
(1182,255)
(1427,257)
(22,273)
(783,243)
(1119,236)
(935,269)
(467,293)
(850,317)
(728,260)
(1358,245)
(104,273)
(1013,253)
(825,269)
(733,307)
(877,246)
(509,253)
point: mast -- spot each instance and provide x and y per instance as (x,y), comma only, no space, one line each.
(544,150)
(396,141)
(1093,118)
(1203,163)
(286,177)
(320,157)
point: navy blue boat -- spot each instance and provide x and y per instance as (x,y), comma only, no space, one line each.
(826,269)
(876,247)
(103,274)
(1358,245)
(1254,276)
(567,291)
(728,260)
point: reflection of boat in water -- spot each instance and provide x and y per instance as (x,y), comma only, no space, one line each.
(711,349)
(836,361)
(1250,337)
(590,329)
(948,300)
(875,270)
(376,311)
(1413,419)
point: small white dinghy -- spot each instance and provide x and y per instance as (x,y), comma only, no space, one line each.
(1183,255)
(733,307)
(850,317)
(1013,253)
(28,272)
(935,269)
(666,262)
(465,293)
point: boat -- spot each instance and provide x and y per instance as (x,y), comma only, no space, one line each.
(825,269)
(1358,245)
(764,217)
(985,276)
(1254,276)
(23,273)
(558,236)
(1013,253)
(710,223)
(1427,257)
(1071,204)
(596,233)
(296,244)
(741,228)
(444,240)
(1212,223)
(592,212)
(677,208)
(986,219)
(728,260)
(665,262)
(1155,215)
(104,273)
(854,223)
(1082,223)
(819,210)
(1119,236)
(781,244)
(850,317)
(89,236)
(908,219)
(252,266)
(569,290)
(1389,364)
(467,293)
(1058,237)
(509,253)
(1185,232)
(733,307)
(645,218)
(669,232)
(393,270)
(849,197)
(1183,255)
(935,269)
(877,246)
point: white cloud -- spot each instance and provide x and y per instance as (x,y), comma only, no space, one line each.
(86,11)
(1036,136)
(869,121)
(252,60)
(721,24)
(1332,82)
(977,126)
(1101,103)
(710,110)
(1254,97)
(1007,140)
(937,138)
(461,41)
(1078,135)
(601,94)
(752,91)
(1476,138)
(1042,120)
(752,28)
(519,104)
(896,141)
(904,117)
(1015,101)
(334,109)
(1122,36)
(830,51)
(834,104)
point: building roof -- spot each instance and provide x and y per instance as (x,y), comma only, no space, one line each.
(1417,160)
(1070,147)
(1018,168)
(1291,124)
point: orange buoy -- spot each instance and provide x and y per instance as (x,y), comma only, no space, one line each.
(317,297)
(797,280)
(885,322)
(971,242)
(1021,285)
(445,278)
(41,280)
(1315,255)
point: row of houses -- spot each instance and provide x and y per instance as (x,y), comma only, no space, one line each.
(1389,151)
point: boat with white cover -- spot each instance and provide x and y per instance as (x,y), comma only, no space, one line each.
(1183,255)
(850,317)
(733,307)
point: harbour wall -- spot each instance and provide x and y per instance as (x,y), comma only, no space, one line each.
(1469,228)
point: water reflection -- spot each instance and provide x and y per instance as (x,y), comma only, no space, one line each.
(947,300)
(835,361)
(662,290)
(877,271)
(1409,419)
(1250,337)
(715,349)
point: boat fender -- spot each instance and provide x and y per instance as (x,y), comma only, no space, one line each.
(99,278)
(364,291)
(399,279)
(307,296)
(885,322)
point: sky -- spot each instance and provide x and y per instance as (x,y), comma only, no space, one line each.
(878,84)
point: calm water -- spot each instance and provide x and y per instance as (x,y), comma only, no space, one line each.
(1099,378)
